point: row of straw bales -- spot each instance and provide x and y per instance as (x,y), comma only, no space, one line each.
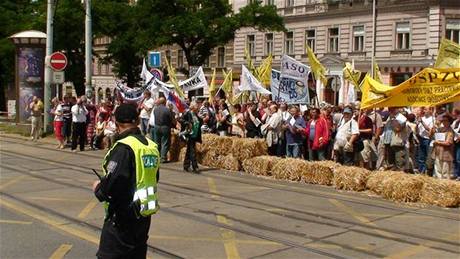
(250,155)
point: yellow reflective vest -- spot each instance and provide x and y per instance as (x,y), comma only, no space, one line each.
(147,158)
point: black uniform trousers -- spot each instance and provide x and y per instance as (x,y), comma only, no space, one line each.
(190,155)
(125,240)
(79,134)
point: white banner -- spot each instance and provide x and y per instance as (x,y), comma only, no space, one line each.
(197,81)
(131,94)
(289,89)
(293,68)
(250,83)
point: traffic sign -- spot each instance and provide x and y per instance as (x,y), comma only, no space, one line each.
(58,61)
(58,77)
(154,59)
(157,73)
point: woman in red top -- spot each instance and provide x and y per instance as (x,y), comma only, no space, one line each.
(318,135)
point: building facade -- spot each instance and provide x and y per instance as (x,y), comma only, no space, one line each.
(407,36)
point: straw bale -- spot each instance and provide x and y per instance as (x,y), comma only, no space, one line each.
(350,178)
(321,172)
(403,187)
(376,180)
(175,147)
(245,148)
(441,192)
(209,158)
(260,165)
(229,162)
(220,145)
(289,169)
(182,154)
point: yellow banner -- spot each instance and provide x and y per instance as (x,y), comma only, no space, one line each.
(448,54)
(429,87)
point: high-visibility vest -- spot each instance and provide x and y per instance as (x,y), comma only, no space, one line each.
(147,158)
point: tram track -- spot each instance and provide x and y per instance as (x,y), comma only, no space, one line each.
(165,210)
(320,218)
(288,188)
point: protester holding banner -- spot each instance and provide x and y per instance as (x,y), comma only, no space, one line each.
(145,107)
(366,133)
(347,134)
(252,121)
(272,128)
(425,124)
(294,133)
(162,129)
(444,149)
(456,130)
(224,119)
(317,132)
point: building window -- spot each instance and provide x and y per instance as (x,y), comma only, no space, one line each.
(269,2)
(453,30)
(289,43)
(221,57)
(268,43)
(290,3)
(310,38)
(358,38)
(251,45)
(403,35)
(333,34)
(180,58)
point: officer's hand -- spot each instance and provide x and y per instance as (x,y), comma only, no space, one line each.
(95,184)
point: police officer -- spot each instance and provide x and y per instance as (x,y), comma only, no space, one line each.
(128,189)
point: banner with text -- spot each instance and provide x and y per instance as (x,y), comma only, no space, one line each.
(429,87)
(131,94)
(288,89)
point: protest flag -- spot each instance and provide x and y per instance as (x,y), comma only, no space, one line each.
(448,54)
(250,83)
(352,75)
(264,71)
(212,86)
(227,85)
(173,79)
(317,68)
(250,63)
(377,74)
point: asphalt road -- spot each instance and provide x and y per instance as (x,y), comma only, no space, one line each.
(47,210)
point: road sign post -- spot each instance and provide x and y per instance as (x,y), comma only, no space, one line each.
(154,59)
(58,61)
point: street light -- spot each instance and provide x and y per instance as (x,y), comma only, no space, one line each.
(88,49)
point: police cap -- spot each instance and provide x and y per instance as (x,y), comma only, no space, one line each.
(126,113)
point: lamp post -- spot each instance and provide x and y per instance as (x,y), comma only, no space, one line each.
(88,50)
(29,65)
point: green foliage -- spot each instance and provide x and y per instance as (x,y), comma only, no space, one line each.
(16,16)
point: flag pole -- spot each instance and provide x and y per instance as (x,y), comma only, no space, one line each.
(374,21)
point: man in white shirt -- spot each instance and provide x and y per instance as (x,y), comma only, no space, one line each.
(79,113)
(146,107)
(425,123)
(347,134)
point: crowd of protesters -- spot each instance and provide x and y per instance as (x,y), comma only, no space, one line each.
(416,140)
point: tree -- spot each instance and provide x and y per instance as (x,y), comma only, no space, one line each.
(198,26)
(69,32)
(17,15)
